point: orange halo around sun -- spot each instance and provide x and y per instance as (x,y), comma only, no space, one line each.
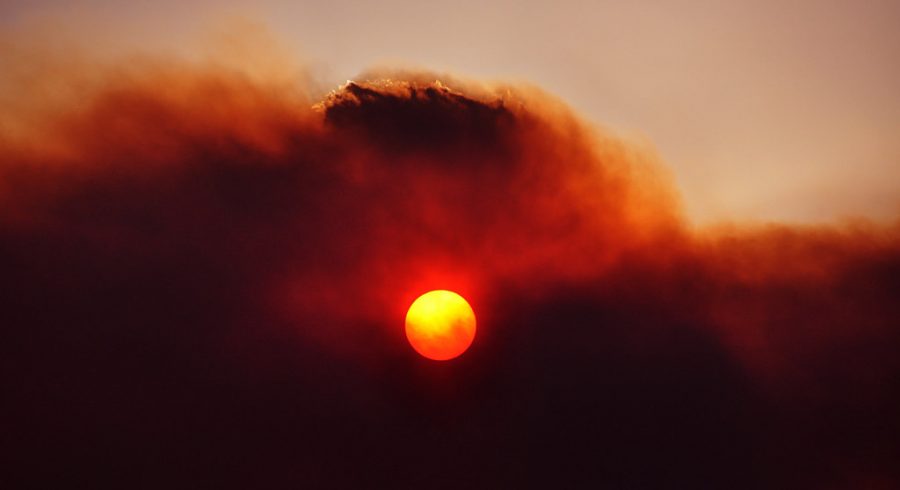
(440,325)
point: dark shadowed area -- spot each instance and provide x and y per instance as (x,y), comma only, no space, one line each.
(203,277)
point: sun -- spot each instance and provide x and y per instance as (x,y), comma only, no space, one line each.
(440,325)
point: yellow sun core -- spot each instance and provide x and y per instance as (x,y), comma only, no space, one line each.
(440,325)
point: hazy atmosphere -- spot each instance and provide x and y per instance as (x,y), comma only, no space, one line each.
(449,245)
(763,110)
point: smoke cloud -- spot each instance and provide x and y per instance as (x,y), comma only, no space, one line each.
(205,272)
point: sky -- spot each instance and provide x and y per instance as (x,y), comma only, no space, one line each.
(210,240)
(766,111)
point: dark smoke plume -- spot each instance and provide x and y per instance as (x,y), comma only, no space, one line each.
(204,277)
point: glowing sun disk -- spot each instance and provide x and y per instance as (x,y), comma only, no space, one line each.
(440,325)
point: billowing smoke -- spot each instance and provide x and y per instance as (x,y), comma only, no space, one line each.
(204,275)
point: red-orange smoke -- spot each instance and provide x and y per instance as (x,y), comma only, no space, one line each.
(172,232)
